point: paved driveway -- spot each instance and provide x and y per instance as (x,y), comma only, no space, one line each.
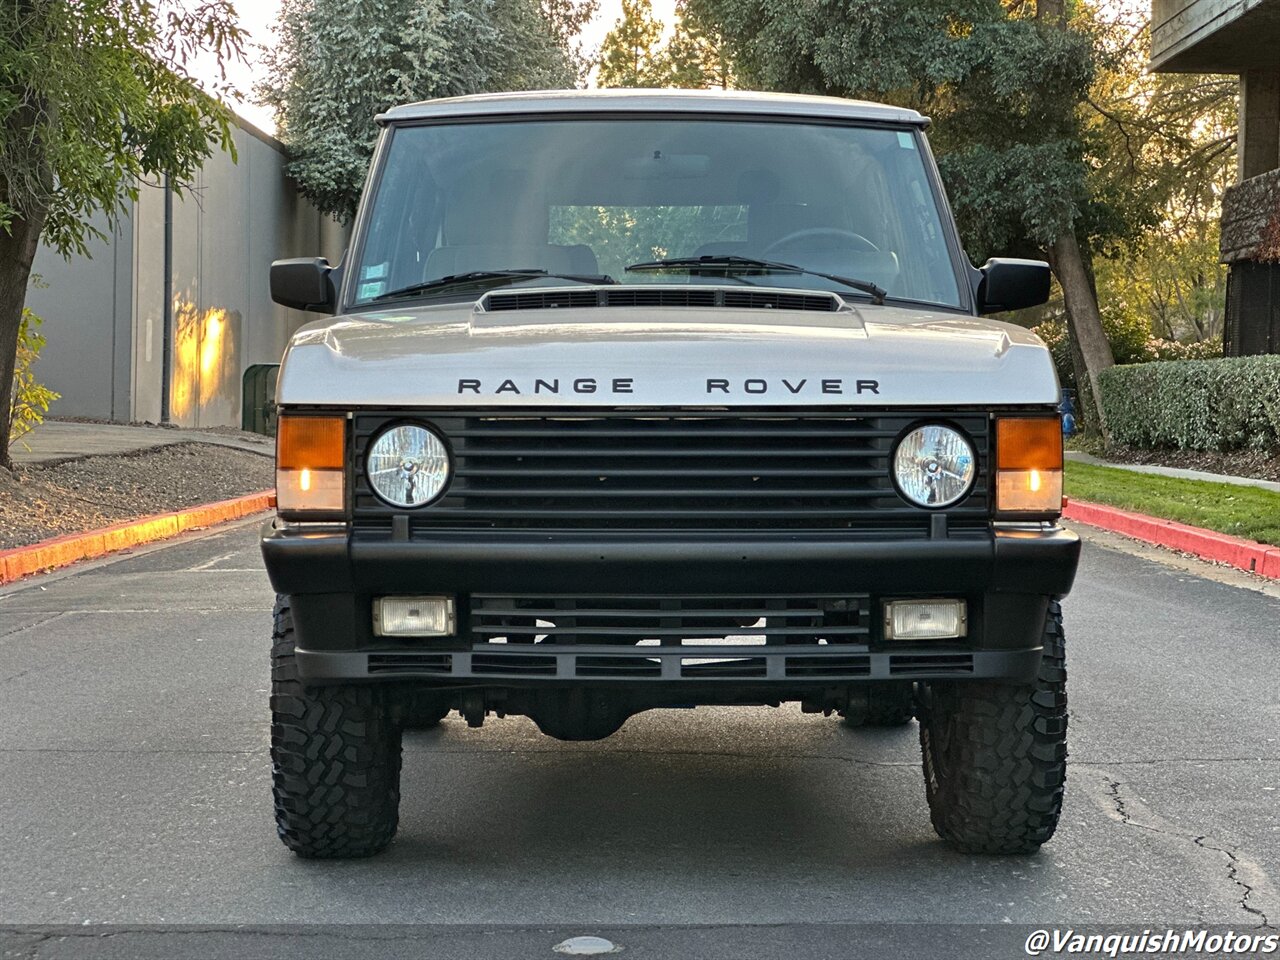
(134,791)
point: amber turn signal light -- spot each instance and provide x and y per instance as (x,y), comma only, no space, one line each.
(310,460)
(1029,466)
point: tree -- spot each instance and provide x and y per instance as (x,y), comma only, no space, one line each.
(696,56)
(631,55)
(95,98)
(337,64)
(568,18)
(1004,83)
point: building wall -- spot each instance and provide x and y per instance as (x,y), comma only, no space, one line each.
(85,305)
(106,313)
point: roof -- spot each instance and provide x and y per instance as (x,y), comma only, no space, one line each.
(1214,36)
(652,101)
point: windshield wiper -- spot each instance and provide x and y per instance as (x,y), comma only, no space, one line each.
(731,262)
(487,276)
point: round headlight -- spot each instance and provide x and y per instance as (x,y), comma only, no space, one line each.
(934,466)
(408,466)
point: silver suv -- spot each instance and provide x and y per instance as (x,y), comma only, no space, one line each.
(638,399)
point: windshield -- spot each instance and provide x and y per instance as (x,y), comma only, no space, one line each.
(589,198)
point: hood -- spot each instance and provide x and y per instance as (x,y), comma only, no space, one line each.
(461,355)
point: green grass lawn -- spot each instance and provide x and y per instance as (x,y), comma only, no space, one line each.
(1225,507)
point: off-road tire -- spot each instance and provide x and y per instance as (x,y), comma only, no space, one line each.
(995,755)
(890,704)
(335,759)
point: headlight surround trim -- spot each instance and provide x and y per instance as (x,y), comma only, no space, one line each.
(432,460)
(969,467)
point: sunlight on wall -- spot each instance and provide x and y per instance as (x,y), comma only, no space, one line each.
(205,362)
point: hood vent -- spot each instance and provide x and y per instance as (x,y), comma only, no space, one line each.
(654,296)
(769,300)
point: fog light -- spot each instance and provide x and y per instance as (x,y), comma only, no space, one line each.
(414,617)
(925,619)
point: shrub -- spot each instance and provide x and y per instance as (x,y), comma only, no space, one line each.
(30,399)
(1224,404)
(1128,332)
(1158,349)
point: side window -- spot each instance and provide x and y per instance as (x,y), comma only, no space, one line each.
(925,247)
(403,229)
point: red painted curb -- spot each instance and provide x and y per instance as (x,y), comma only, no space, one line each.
(1260,558)
(60,551)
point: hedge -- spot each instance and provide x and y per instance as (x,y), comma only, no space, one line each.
(1231,403)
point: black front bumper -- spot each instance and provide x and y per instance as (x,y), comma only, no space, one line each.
(1007,576)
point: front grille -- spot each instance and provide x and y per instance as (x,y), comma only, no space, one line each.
(654,471)
(669,620)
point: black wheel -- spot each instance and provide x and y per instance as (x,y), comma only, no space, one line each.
(995,755)
(335,759)
(890,704)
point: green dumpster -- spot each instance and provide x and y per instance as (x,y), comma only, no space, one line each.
(258,410)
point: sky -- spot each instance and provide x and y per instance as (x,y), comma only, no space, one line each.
(258,16)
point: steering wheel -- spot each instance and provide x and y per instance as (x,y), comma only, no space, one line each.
(802,238)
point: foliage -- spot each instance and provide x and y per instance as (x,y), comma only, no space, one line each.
(568,18)
(1228,508)
(1161,150)
(631,55)
(1161,146)
(1172,277)
(97,98)
(1223,404)
(696,54)
(30,399)
(337,64)
(1131,340)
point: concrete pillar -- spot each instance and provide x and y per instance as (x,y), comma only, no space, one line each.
(1259,148)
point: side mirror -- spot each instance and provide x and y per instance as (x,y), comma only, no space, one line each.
(1009,284)
(305,284)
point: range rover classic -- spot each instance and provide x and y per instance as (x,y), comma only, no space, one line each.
(630,400)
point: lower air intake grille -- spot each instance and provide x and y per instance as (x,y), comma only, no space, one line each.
(738,621)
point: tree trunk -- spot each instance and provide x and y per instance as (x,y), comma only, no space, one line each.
(1075,275)
(17,251)
(1084,322)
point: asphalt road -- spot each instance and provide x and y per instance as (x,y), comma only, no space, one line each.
(134,792)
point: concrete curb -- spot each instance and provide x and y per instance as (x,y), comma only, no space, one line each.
(60,551)
(1250,555)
